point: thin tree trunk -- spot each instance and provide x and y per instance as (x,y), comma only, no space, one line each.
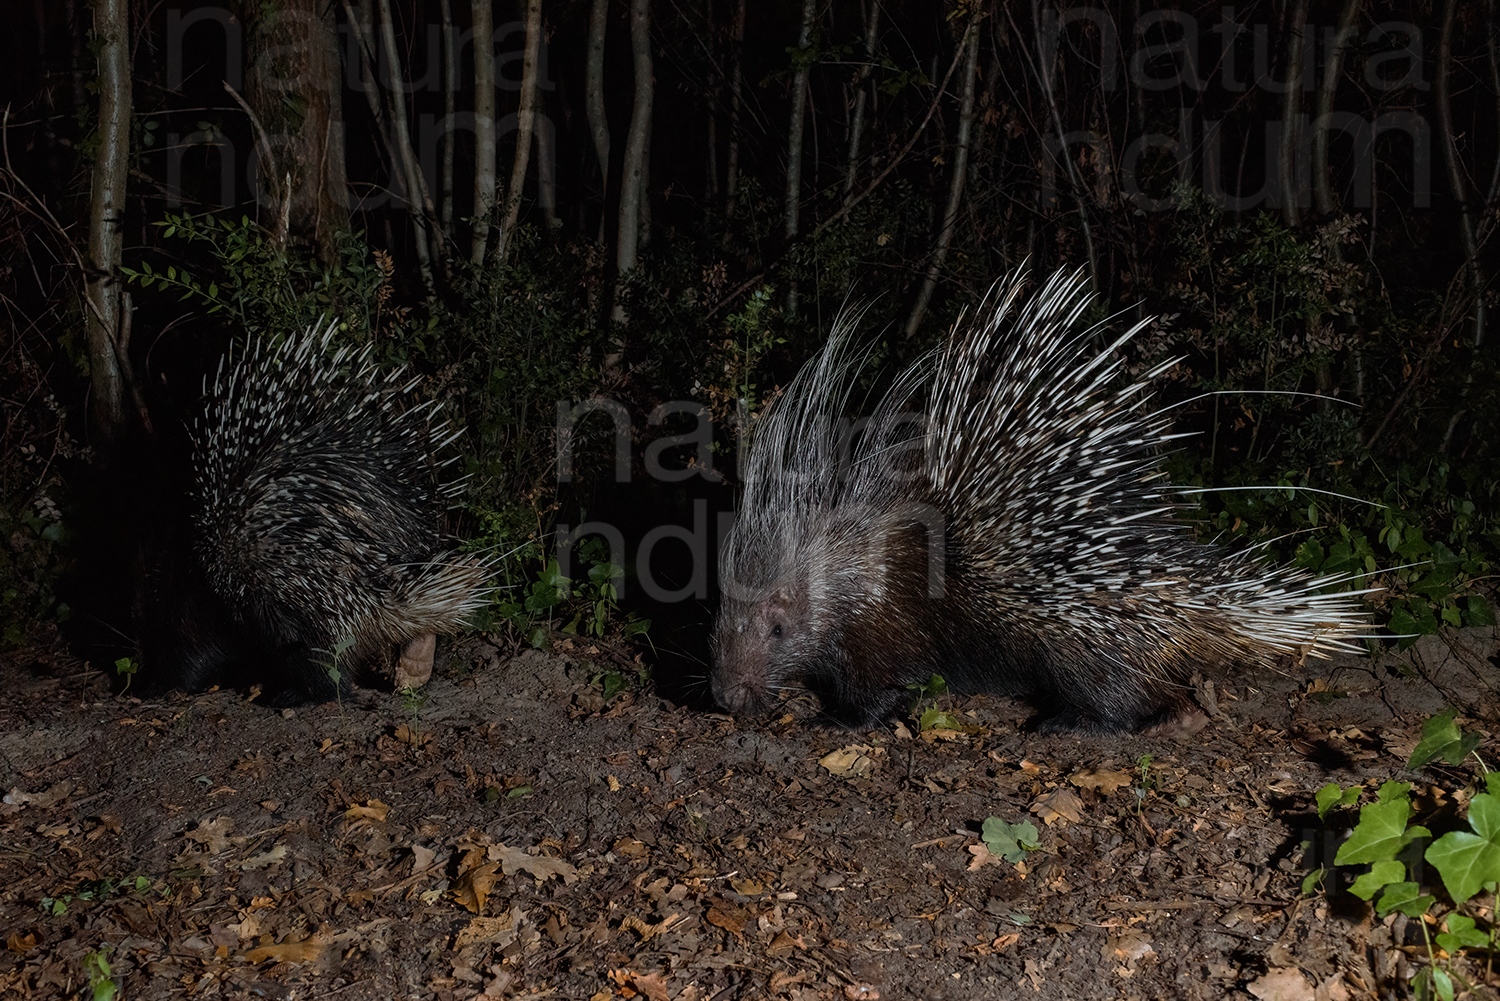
(418,200)
(1455,169)
(794,128)
(525,126)
(362,22)
(861,95)
(1328,202)
(631,193)
(1044,76)
(736,100)
(593,97)
(450,98)
(1492,48)
(106,211)
(546,172)
(484,126)
(294,49)
(1291,116)
(970,42)
(793,210)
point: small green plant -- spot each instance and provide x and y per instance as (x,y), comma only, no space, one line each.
(1390,843)
(102,889)
(102,984)
(929,715)
(412,701)
(126,668)
(593,601)
(1011,842)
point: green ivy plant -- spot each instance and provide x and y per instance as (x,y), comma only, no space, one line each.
(1466,860)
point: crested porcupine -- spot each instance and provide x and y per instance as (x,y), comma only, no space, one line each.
(1021,539)
(314,545)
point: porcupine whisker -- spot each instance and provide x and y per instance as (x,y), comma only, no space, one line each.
(1273,486)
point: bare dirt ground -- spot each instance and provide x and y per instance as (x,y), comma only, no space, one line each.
(517,836)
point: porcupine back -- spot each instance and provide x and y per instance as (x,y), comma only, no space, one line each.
(1026,541)
(317,507)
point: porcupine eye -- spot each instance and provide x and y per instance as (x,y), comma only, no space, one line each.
(776,631)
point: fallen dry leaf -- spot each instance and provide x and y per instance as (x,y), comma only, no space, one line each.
(1127,946)
(728,917)
(51,796)
(1103,781)
(854,759)
(306,951)
(514,860)
(1282,983)
(474,886)
(373,810)
(982,856)
(748,887)
(482,931)
(631,849)
(784,944)
(264,859)
(1059,805)
(645,929)
(212,834)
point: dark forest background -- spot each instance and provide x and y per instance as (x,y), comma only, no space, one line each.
(651,201)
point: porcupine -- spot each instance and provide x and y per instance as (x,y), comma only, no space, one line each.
(1022,540)
(314,540)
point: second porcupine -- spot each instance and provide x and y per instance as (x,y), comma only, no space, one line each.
(314,540)
(1021,541)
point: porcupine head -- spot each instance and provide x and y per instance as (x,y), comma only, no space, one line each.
(1023,541)
(831,539)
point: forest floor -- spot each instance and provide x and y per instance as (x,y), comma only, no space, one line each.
(516,835)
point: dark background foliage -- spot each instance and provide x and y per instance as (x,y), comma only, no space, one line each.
(1330,303)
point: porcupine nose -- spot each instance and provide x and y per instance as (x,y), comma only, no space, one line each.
(735,694)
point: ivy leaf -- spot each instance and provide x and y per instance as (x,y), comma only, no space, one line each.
(1465,860)
(1441,738)
(1406,898)
(1331,796)
(1461,934)
(1010,841)
(1380,874)
(1382,831)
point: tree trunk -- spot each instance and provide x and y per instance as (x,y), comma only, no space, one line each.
(419,202)
(106,210)
(791,221)
(736,98)
(525,126)
(1291,116)
(861,95)
(295,87)
(1044,70)
(1455,168)
(1327,201)
(803,59)
(636,143)
(450,97)
(970,42)
(593,96)
(484,126)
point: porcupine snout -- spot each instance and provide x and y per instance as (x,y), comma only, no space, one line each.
(755,641)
